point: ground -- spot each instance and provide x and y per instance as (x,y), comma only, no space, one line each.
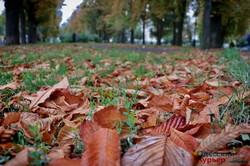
(68,103)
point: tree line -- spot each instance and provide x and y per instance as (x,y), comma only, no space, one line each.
(216,19)
(120,20)
(25,18)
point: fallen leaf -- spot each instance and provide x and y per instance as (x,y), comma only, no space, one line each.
(87,128)
(21,159)
(12,85)
(67,135)
(65,161)
(174,121)
(109,117)
(103,149)
(43,95)
(215,142)
(157,151)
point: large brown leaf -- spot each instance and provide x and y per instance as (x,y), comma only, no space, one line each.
(87,128)
(109,117)
(43,95)
(215,142)
(184,140)
(103,149)
(156,151)
(65,161)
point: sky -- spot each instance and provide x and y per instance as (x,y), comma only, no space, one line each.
(67,10)
(70,6)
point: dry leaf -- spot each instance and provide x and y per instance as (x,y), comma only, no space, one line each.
(184,140)
(67,135)
(103,149)
(109,117)
(65,161)
(156,151)
(215,142)
(87,128)
(12,85)
(174,121)
(43,95)
(21,159)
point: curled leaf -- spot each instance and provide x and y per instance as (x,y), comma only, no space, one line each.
(43,95)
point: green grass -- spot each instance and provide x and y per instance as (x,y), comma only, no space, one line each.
(238,70)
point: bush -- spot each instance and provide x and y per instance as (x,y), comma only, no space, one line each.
(82,37)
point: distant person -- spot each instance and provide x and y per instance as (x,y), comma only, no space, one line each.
(74,37)
(248,41)
(232,44)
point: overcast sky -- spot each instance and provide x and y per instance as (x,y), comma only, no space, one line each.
(67,10)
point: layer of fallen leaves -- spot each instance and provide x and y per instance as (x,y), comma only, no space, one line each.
(171,117)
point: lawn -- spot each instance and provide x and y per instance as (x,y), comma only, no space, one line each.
(73,104)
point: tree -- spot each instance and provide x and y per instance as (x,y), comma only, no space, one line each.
(159,11)
(12,21)
(42,13)
(90,17)
(224,19)
(181,10)
(206,25)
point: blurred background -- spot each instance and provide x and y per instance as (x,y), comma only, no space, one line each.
(197,23)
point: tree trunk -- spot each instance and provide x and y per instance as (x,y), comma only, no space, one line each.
(32,24)
(174,34)
(23,26)
(132,36)
(159,33)
(182,9)
(143,28)
(216,34)
(158,40)
(206,25)
(216,30)
(12,21)
(32,32)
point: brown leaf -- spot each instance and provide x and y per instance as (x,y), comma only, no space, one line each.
(103,149)
(204,130)
(11,117)
(6,134)
(109,117)
(156,151)
(184,140)
(211,111)
(12,85)
(10,148)
(87,128)
(174,121)
(43,95)
(59,152)
(65,161)
(215,142)
(21,159)
(163,102)
(67,135)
